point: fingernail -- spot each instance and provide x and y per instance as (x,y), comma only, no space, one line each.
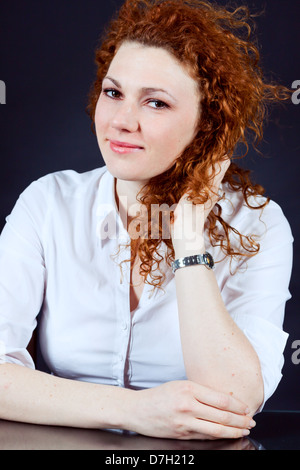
(246,432)
(252,423)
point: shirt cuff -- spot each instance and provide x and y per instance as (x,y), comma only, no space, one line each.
(17,356)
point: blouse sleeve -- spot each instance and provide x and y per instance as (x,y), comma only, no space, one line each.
(22,274)
(256,296)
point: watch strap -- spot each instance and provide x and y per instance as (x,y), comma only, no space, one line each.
(206,259)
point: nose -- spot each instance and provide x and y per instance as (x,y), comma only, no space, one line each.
(125,117)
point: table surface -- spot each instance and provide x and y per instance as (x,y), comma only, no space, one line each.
(274,431)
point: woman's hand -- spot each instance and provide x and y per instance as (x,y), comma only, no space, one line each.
(189,219)
(187,410)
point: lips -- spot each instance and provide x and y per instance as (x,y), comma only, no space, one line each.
(124,147)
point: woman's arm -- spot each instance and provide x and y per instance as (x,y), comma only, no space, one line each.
(216,352)
(178,410)
(36,397)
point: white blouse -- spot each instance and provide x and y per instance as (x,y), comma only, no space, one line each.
(56,259)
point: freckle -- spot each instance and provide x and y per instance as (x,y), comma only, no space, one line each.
(231,393)
(233,375)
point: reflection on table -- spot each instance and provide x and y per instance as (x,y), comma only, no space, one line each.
(22,436)
(274,431)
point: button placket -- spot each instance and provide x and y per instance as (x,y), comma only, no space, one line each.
(123,318)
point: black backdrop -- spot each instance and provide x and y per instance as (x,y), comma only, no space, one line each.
(47,64)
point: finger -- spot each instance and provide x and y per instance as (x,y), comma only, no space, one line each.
(219,400)
(226,418)
(215,431)
(219,173)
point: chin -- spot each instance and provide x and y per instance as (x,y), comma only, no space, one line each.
(125,174)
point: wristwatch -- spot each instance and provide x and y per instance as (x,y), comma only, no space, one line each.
(206,259)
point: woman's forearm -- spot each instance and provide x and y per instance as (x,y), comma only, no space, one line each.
(180,410)
(32,396)
(216,352)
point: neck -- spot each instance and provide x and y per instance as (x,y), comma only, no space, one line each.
(126,198)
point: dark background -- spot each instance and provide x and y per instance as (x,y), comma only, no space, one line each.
(47,63)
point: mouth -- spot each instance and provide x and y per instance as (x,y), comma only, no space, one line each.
(124,147)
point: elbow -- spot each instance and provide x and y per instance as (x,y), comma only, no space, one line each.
(254,393)
(247,386)
(256,400)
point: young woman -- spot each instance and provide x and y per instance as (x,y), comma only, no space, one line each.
(138,330)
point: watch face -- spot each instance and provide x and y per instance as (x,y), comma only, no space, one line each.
(208,259)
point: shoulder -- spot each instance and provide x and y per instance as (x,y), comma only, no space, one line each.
(62,184)
(56,191)
(69,181)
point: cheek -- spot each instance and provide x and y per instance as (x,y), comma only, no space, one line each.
(186,130)
(101,116)
(168,141)
(175,138)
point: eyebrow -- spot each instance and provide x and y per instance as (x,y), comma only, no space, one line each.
(144,89)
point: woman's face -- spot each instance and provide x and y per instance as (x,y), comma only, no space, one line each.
(147,112)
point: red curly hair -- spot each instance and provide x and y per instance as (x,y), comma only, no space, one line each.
(215,44)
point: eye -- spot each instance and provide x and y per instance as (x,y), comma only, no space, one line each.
(112,93)
(158,104)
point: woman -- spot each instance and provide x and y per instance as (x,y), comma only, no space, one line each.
(119,260)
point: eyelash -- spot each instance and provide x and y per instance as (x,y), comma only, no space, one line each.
(162,104)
